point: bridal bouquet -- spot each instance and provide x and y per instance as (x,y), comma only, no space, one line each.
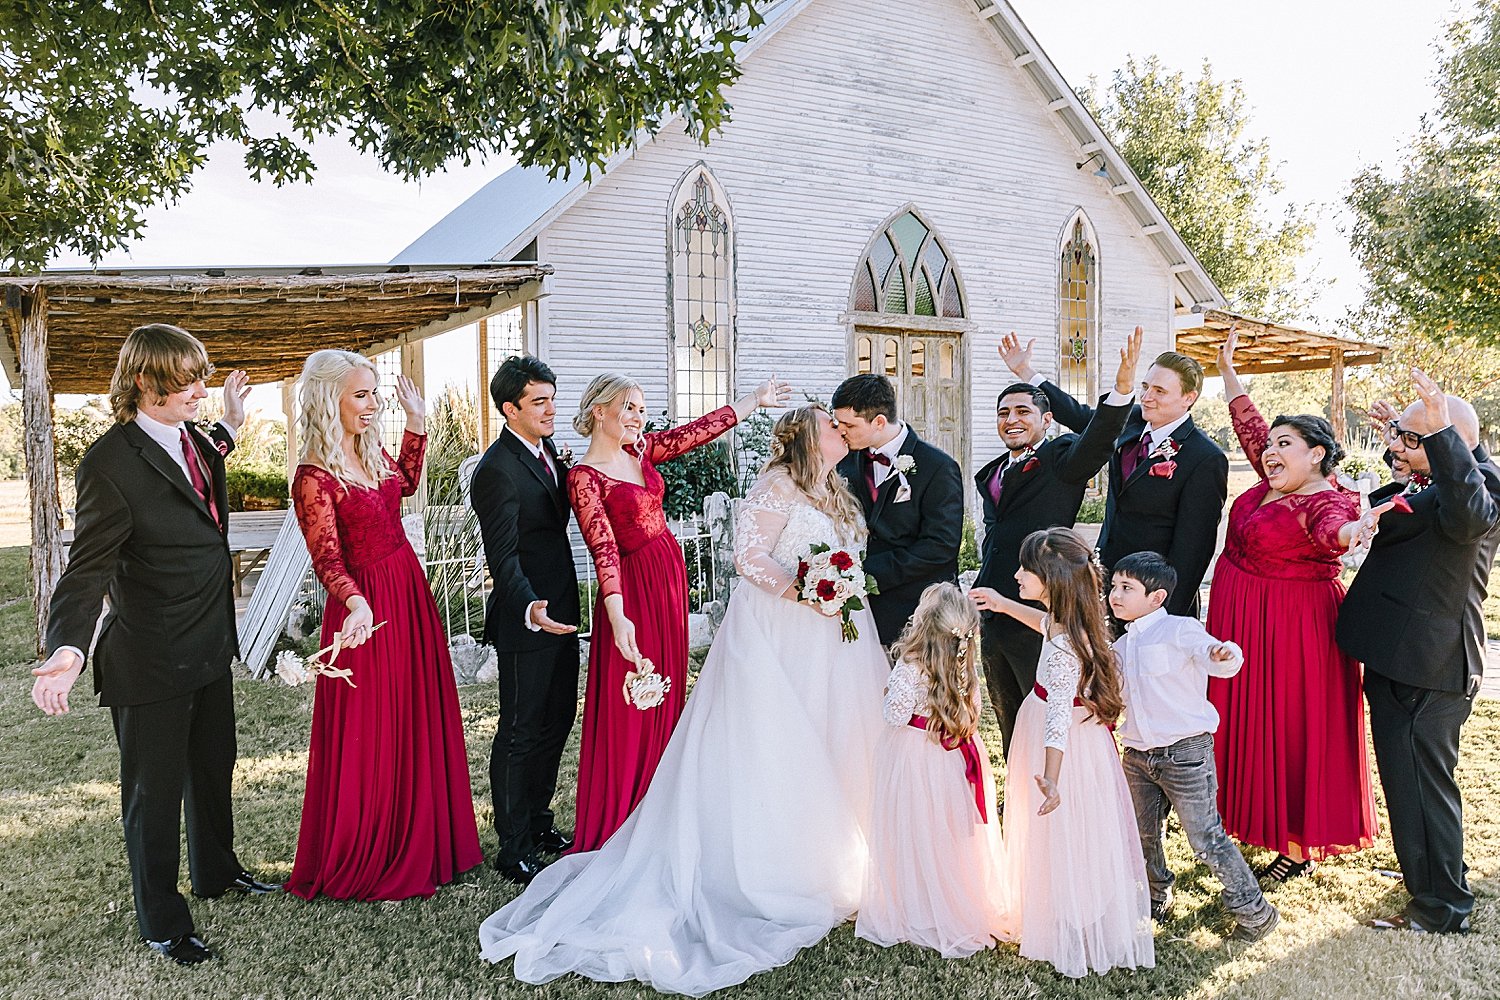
(834,581)
(294,670)
(644,687)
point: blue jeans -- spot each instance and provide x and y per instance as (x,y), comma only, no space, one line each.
(1183,777)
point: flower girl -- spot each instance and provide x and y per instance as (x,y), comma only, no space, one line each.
(936,875)
(1073,858)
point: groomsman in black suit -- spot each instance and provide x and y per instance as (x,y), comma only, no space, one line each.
(911,494)
(1413,615)
(519,493)
(1037,483)
(152,535)
(1167,480)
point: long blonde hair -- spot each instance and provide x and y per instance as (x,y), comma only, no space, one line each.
(942,640)
(322,385)
(604,390)
(796,450)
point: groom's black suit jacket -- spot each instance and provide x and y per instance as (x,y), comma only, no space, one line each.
(1044,492)
(1414,611)
(1176,517)
(914,543)
(523,520)
(144,538)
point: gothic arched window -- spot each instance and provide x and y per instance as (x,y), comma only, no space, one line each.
(1078,311)
(908,272)
(702,241)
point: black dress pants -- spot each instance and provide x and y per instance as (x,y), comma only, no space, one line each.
(1415,732)
(176,752)
(538,705)
(1010,656)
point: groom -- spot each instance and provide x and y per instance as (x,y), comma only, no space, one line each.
(912,496)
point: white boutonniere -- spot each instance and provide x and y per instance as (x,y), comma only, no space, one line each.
(565,456)
(903,466)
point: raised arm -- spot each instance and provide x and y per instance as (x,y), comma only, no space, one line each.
(409,462)
(1249,426)
(663,446)
(1091,450)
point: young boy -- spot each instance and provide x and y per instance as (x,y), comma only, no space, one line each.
(1168,734)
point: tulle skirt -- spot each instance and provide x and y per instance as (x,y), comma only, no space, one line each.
(750,843)
(937,875)
(1076,877)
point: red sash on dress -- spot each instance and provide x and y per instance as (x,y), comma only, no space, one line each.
(1041,693)
(972,770)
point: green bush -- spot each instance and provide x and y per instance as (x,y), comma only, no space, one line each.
(1092,511)
(693,476)
(259,482)
(968,549)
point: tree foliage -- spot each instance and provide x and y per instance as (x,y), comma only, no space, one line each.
(107,109)
(1186,140)
(1429,237)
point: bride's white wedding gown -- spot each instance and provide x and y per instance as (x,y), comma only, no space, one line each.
(750,843)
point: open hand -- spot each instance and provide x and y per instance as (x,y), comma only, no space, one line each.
(1130,359)
(1368,526)
(1434,403)
(54,679)
(236,389)
(1017,358)
(1226,349)
(410,399)
(1050,797)
(773,394)
(1382,415)
(540,620)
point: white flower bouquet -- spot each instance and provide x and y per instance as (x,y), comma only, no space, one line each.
(295,670)
(834,582)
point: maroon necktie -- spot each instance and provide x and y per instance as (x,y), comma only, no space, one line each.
(197,476)
(541,456)
(1135,456)
(874,457)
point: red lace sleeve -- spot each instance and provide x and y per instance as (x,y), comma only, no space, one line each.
(409,464)
(586,490)
(663,446)
(315,497)
(1324,514)
(1250,427)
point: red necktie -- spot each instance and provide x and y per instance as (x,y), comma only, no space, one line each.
(197,476)
(874,458)
(1135,456)
(541,456)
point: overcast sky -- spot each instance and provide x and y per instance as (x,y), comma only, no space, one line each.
(1332,84)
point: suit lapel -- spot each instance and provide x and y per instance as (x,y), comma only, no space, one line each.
(529,462)
(1017,481)
(890,485)
(159,460)
(1180,436)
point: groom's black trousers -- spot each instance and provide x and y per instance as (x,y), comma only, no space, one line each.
(538,705)
(1415,731)
(176,752)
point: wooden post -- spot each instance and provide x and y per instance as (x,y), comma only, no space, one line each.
(1336,399)
(41,459)
(289,407)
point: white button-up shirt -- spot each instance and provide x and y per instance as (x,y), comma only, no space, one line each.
(1165,661)
(890,450)
(169,436)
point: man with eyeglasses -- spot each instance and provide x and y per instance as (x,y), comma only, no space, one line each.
(1413,615)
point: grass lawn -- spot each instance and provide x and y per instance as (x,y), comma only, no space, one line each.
(69,930)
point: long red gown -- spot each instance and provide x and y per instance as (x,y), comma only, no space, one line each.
(1290,750)
(388,813)
(636,556)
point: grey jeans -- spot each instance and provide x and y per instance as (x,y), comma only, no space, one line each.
(1183,777)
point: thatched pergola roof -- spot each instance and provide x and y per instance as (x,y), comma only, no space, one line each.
(1271,347)
(266,320)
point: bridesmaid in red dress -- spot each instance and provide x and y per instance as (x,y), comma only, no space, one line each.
(1290,750)
(388,813)
(641,610)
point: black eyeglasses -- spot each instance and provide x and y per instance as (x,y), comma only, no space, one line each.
(1409,439)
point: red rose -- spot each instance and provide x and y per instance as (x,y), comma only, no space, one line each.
(841,561)
(826,590)
(1032,464)
(1164,470)
(802,568)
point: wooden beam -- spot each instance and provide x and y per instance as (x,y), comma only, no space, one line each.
(1025,59)
(1152,229)
(1120,189)
(1336,400)
(289,407)
(41,460)
(1059,104)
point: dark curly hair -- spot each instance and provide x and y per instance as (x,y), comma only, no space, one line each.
(1318,433)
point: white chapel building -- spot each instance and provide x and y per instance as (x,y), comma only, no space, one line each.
(898,186)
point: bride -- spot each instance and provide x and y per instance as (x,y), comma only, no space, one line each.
(750,843)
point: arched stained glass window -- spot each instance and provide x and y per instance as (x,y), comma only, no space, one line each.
(1078,312)
(907,272)
(702,241)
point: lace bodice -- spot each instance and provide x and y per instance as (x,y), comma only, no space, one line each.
(355,526)
(1294,537)
(1058,671)
(775,528)
(906,694)
(619,517)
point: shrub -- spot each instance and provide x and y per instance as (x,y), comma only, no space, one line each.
(256,487)
(1092,511)
(691,477)
(968,549)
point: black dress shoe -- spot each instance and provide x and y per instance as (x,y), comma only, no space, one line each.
(554,841)
(245,883)
(185,950)
(523,871)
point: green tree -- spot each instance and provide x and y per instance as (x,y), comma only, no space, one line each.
(1428,238)
(1186,140)
(107,109)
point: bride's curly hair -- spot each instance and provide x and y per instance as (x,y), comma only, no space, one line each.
(796,451)
(321,384)
(1074,584)
(942,640)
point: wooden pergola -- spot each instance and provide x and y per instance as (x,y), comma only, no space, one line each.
(63,331)
(1266,347)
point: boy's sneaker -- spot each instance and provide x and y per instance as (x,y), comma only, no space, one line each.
(1254,932)
(1162,910)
